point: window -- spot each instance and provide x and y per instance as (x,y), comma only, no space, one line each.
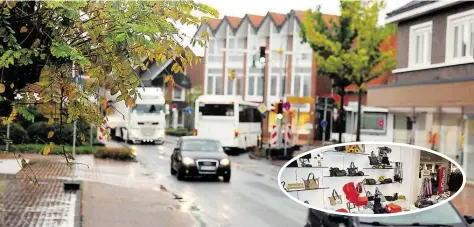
(420,44)
(273,84)
(372,121)
(214,82)
(199,145)
(148,109)
(301,85)
(460,37)
(178,94)
(216,109)
(249,114)
(215,53)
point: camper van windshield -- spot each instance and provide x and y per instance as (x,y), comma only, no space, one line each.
(148,109)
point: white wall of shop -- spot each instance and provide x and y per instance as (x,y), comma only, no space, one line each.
(319,198)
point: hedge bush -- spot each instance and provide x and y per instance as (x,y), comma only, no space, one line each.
(38,149)
(17,133)
(38,133)
(178,132)
(115,153)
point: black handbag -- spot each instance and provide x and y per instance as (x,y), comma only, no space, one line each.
(352,170)
(360,173)
(374,160)
(340,148)
(333,171)
(378,208)
(341,173)
(293,164)
(398,177)
(386,181)
(370,181)
(385,160)
(369,195)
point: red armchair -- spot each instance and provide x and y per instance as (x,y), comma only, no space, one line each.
(353,196)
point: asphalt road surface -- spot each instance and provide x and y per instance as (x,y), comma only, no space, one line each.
(252,198)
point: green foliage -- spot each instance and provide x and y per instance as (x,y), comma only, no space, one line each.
(38,132)
(107,40)
(17,133)
(57,150)
(178,132)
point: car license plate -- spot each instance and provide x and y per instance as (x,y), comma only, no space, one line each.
(208,168)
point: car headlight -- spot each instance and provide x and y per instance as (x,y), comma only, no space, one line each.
(225,162)
(188,161)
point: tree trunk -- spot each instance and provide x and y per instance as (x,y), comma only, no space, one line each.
(340,117)
(359,117)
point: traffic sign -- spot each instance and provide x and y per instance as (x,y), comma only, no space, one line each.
(286,105)
(262,108)
(188,110)
(300,100)
(324,123)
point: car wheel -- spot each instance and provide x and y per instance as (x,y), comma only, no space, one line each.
(172,170)
(180,175)
(227,178)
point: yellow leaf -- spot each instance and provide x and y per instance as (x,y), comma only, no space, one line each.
(162,58)
(51,145)
(2,88)
(23,29)
(50,134)
(109,110)
(176,68)
(36,43)
(46,150)
(83,138)
(168,78)
(50,121)
(88,83)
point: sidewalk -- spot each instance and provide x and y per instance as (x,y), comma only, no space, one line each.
(46,205)
(463,202)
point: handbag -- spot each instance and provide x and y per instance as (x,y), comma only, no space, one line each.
(393,208)
(385,160)
(342,210)
(387,181)
(311,183)
(336,172)
(377,207)
(335,198)
(360,173)
(380,195)
(398,177)
(373,159)
(359,187)
(293,164)
(369,181)
(423,202)
(341,173)
(369,195)
(352,170)
(295,186)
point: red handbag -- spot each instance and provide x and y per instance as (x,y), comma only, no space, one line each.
(393,208)
(342,210)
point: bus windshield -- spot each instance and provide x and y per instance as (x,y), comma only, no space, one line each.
(216,109)
(149,109)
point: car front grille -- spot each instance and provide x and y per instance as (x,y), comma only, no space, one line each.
(207,166)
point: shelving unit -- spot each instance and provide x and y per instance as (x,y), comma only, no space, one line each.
(349,176)
(300,190)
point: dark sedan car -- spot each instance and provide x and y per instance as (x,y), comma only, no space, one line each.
(198,156)
(444,215)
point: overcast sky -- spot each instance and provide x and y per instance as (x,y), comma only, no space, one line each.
(239,8)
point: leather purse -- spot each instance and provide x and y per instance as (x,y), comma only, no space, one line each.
(359,187)
(335,198)
(336,172)
(352,170)
(387,181)
(373,159)
(295,186)
(393,208)
(311,182)
(369,195)
(369,181)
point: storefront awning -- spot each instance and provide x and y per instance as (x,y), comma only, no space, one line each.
(433,94)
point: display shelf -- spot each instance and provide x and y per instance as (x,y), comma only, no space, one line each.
(302,190)
(349,176)
(380,168)
(338,152)
(315,167)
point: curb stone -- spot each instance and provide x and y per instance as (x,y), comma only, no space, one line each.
(78,207)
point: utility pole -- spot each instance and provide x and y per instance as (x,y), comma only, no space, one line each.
(73,184)
(7,141)
(324,119)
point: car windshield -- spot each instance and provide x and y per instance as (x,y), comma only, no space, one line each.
(148,109)
(441,215)
(201,145)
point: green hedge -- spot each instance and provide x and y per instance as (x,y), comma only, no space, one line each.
(38,149)
(178,132)
(17,133)
(115,153)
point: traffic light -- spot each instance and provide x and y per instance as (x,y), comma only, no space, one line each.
(275,107)
(262,54)
(280,108)
(231,74)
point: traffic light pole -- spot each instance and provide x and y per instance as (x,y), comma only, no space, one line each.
(264,99)
(324,118)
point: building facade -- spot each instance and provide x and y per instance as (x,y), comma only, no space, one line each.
(432,90)
(290,69)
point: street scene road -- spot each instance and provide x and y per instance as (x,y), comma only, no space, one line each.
(252,198)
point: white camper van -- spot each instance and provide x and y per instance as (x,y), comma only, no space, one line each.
(229,119)
(143,123)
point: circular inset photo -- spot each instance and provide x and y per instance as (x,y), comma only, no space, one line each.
(371,179)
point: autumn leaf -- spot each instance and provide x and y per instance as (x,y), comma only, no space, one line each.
(83,138)
(50,134)
(23,29)
(2,88)
(88,83)
(109,110)
(46,150)
(36,43)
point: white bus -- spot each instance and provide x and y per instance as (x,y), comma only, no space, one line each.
(143,123)
(377,124)
(229,119)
